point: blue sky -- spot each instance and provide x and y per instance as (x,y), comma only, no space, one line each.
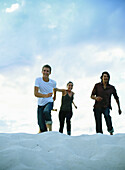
(79,39)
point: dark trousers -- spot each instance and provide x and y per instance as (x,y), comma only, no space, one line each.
(98,119)
(62,116)
(44,116)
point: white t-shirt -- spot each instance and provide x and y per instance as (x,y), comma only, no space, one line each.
(45,88)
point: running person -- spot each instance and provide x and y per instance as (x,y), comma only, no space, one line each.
(43,90)
(66,107)
(102,93)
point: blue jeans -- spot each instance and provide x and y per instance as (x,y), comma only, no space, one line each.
(98,119)
(44,116)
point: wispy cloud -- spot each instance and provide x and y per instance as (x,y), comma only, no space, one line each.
(13,8)
(57,24)
(79,39)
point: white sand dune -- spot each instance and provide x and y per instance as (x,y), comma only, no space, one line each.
(55,151)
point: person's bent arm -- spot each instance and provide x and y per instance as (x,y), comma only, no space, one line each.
(37,94)
(93,97)
(97,98)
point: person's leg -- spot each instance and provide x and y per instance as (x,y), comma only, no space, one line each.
(41,119)
(98,120)
(68,122)
(47,112)
(108,120)
(61,121)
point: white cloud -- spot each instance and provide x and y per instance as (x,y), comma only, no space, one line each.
(108,55)
(58,34)
(123,75)
(12,8)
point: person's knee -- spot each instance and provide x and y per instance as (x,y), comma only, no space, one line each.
(48,119)
(107,113)
(68,121)
(107,116)
(46,112)
(47,115)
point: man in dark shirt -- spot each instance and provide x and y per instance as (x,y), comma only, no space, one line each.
(102,95)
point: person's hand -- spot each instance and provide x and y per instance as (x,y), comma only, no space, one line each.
(49,95)
(76,107)
(55,89)
(119,111)
(98,99)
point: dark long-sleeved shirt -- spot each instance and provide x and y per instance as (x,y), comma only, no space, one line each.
(105,93)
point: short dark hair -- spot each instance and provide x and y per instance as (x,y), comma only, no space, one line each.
(47,67)
(69,82)
(105,72)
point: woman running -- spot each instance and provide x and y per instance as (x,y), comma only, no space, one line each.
(66,107)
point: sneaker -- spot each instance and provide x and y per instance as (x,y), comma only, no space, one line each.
(69,133)
(111,131)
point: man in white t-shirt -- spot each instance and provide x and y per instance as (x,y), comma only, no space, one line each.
(44,90)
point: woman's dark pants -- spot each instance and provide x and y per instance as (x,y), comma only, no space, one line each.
(62,116)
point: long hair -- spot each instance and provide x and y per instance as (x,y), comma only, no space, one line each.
(69,82)
(105,72)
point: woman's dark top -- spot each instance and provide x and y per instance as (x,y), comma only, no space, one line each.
(66,104)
